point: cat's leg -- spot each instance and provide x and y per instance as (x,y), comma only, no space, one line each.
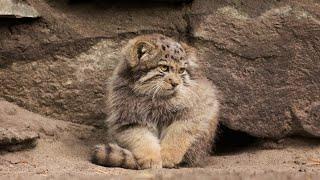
(179,139)
(199,150)
(143,144)
(175,141)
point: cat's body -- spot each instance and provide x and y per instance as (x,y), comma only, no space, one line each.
(163,111)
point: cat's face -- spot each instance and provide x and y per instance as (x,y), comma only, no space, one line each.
(165,79)
(162,68)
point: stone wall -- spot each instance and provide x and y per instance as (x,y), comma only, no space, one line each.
(264,56)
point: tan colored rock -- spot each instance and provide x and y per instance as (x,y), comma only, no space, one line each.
(267,67)
(13,139)
(21,129)
(17,9)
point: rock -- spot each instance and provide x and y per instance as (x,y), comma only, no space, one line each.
(17,9)
(21,129)
(18,131)
(77,86)
(267,68)
(13,139)
(14,119)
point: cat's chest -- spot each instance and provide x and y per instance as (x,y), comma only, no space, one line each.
(148,111)
(162,114)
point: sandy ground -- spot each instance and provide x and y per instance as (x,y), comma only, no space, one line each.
(63,149)
(65,156)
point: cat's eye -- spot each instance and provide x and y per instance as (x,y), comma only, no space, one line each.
(182,70)
(164,68)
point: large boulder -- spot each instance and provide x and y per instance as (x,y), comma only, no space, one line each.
(262,55)
(267,67)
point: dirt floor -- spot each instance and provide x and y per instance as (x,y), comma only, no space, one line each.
(65,155)
(63,148)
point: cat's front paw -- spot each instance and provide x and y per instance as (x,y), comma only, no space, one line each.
(169,159)
(150,162)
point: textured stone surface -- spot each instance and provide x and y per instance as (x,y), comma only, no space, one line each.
(68,88)
(17,9)
(263,55)
(13,139)
(21,129)
(267,68)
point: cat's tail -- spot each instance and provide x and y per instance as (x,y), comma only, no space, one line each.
(112,155)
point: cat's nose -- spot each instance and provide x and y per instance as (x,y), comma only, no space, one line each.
(173,82)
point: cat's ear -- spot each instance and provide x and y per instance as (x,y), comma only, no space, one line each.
(191,54)
(140,52)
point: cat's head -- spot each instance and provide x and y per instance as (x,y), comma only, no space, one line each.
(160,67)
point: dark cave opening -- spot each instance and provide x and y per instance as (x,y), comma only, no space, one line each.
(228,141)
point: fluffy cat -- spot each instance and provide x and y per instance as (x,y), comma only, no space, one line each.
(163,112)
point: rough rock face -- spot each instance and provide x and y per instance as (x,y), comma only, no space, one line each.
(21,129)
(263,56)
(17,9)
(15,132)
(12,139)
(67,88)
(267,67)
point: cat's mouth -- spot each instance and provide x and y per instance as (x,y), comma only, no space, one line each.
(170,92)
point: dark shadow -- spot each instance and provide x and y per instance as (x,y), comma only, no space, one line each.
(229,141)
(10,20)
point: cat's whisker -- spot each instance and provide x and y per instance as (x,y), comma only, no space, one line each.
(156,92)
(152,90)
